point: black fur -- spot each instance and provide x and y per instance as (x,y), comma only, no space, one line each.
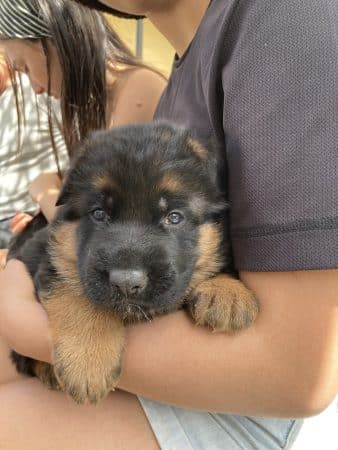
(124,227)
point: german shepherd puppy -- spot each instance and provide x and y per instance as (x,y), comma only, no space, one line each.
(140,232)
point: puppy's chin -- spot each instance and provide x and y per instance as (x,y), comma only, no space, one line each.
(132,310)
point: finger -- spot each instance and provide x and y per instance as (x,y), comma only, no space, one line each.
(21,225)
(18,216)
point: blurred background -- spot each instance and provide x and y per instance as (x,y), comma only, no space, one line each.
(144,40)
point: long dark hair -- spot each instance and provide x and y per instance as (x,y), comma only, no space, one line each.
(86,45)
(84,42)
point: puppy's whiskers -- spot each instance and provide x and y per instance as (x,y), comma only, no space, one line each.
(144,314)
(127,308)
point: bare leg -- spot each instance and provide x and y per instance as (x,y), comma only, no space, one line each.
(7,370)
(33,417)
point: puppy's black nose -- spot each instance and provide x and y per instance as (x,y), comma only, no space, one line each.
(130,282)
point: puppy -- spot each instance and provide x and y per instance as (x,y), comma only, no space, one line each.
(140,232)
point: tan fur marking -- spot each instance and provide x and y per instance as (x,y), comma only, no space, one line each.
(223,303)
(198,149)
(209,261)
(104,183)
(171,183)
(62,251)
(88,344)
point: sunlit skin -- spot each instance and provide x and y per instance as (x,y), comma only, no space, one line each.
(28,57)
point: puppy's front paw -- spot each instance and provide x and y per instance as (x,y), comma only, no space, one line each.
(88,343)
(223,303)
(87,378)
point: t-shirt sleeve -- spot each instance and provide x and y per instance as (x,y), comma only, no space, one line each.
(280,84)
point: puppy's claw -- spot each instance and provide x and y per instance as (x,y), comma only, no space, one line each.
(223,303)
(46,375)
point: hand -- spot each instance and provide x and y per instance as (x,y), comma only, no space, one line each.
(19,222)
(23,321)
(44,183)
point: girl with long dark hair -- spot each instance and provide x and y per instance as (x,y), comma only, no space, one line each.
(71,53)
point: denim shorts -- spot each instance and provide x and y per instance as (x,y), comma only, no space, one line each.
(181,429)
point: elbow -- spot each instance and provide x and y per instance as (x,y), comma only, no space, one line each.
(316,402)
(309,397)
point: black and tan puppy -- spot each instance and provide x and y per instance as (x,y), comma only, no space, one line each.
(140,233)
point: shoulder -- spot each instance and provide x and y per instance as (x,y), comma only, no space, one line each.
(137,96)
(144,77)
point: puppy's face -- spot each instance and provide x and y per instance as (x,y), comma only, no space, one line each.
(144,198)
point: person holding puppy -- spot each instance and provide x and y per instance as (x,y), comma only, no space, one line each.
(253,75)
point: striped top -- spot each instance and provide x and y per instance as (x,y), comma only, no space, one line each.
(19,168)
(18,19)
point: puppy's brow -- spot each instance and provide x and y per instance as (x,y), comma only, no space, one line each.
(163,204)
(198,149)
(171,183)
(197,204)
(104,183)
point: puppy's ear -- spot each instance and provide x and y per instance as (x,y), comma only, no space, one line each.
(206,151)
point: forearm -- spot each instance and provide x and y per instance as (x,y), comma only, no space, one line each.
(284,365)
(23,322)
(32,341)
(175,362)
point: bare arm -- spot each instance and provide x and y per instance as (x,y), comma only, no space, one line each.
(23,321)
(137,96)
(285,365)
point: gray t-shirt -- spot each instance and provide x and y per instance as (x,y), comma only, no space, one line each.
(262,76)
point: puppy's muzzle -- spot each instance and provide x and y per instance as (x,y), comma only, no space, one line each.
(130,282)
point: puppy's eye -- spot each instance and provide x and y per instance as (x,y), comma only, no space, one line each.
(174,218)
(99,215)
